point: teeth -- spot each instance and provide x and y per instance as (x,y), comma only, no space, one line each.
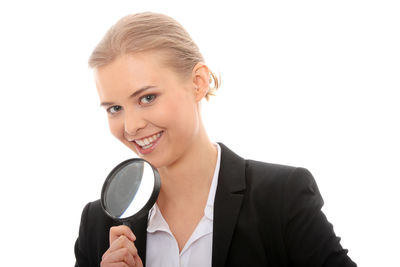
(139,142)
(147,142)
(146,147)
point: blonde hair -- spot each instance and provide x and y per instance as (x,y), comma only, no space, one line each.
(151,31)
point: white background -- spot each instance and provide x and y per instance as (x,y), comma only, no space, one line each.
(304,83)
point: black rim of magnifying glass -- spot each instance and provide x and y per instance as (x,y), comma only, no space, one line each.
(150,202)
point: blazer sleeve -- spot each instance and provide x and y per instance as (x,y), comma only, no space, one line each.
(93,237)
(81,244)
(308,236)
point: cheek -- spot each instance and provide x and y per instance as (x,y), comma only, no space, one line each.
(116,128)
(183,118)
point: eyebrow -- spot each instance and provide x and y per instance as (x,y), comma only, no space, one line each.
(141,90)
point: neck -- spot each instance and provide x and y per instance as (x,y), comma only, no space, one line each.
(188,180)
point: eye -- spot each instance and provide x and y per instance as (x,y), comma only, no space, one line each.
(147,99)
(114,109)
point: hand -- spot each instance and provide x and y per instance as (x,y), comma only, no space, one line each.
(122,250)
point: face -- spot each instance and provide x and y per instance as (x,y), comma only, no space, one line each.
(150,108)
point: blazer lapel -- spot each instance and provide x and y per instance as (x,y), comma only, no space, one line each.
(228,200)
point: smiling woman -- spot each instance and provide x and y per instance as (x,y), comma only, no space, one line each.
(214,207)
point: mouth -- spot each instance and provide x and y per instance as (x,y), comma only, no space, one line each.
(147,144)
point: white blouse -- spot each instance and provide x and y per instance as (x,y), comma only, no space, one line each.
(162,248)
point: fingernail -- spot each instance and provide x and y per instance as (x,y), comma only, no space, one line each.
(133,237)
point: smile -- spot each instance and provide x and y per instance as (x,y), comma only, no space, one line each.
(148,142)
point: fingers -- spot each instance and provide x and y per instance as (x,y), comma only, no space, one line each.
(117,231)
(118,264)
(138,261)
(120,256)
(122,250)
(123,242)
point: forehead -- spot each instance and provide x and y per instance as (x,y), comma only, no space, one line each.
(130,72)
(138,66)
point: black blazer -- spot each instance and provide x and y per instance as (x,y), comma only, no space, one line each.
(264,215)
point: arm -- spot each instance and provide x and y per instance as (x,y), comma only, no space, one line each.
(101,244)
(81,243)
(309,237)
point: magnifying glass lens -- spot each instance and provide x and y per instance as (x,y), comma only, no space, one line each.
(130,189)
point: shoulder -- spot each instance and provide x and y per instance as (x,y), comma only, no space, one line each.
(94,220)
(276,177)
(281,210)
(93,215)
(268,172)
(284,189)
(91,208)
(269,179)
(92,241)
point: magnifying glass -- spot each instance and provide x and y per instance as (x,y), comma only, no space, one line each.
(130,190)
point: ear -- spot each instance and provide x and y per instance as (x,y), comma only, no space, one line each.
(201,81)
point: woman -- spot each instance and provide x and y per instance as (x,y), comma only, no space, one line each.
(214,208)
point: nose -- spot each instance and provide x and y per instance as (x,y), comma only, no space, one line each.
(133,123)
